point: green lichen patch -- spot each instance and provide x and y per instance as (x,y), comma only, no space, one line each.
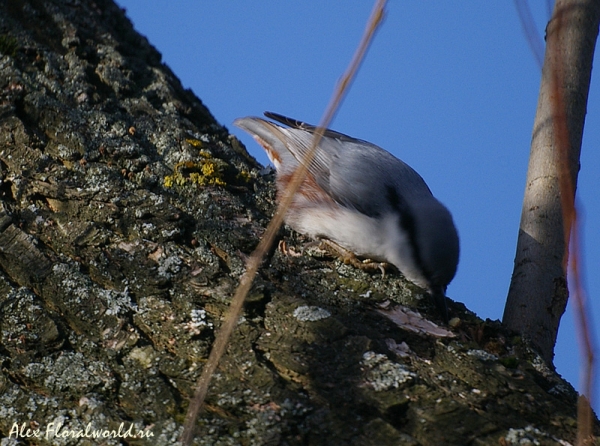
(8,45)
(187,334)
(27,325)
(383,374)
(310,313)
(69,372)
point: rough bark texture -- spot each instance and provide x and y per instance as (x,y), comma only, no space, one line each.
(125,215)
(538,291)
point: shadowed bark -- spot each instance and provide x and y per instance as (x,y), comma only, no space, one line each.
(126,212)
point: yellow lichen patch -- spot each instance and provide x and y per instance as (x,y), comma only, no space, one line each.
(244,176)
(194,142)
(207,171)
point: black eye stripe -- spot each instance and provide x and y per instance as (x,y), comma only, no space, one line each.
(408,225)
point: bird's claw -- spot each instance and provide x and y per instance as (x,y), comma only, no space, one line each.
(349,258)
(287,251)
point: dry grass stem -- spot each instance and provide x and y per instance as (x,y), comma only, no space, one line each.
(255,259)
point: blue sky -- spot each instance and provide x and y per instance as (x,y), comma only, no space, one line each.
(451,90)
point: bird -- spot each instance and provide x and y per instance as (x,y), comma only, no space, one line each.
(363,199)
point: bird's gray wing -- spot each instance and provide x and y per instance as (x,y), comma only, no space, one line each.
(371,180)
(295,124)
(300,138)
(358,174)
(290,145)
(355,173)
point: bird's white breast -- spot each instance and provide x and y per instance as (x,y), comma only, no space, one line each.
(380,239)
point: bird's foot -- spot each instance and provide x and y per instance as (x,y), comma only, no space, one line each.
(349,258)
(287,251)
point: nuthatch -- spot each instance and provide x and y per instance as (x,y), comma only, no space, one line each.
(365,200)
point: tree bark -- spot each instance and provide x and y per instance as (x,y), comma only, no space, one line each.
(538,291)
(126,211)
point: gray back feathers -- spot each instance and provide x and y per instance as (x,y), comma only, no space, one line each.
(362,176)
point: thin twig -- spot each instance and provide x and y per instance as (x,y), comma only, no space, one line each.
(533,37)
(253,263)
(571,228)
(584,406)
(569,210)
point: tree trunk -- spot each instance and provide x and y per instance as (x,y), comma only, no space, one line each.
(125,215)
(538,291)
